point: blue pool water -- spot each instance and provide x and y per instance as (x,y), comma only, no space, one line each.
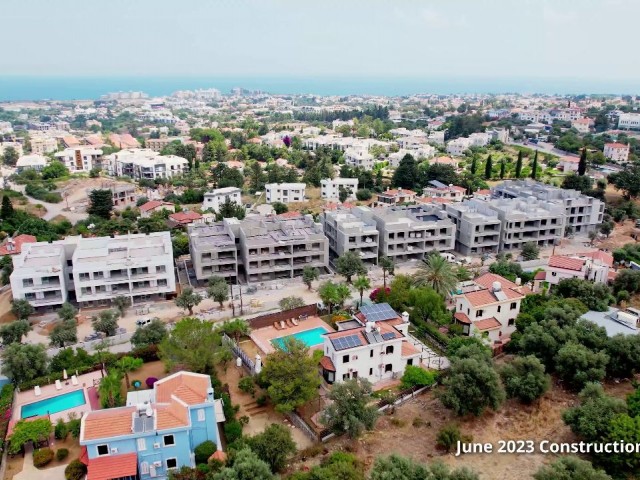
(311,337)
(54,405)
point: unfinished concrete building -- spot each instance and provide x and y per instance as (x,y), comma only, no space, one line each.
(351,230)
(477,227)
(583,213)
(214,251)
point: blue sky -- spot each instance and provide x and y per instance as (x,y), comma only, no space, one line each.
(352,38)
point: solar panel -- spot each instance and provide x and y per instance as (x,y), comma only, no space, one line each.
(375,313)
(349,341)
(437,184)
(388,335)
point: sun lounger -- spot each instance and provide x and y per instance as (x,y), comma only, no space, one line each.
(290,323)
(58,385)
(295,322)
(276,325)
(282,324)
(74,380)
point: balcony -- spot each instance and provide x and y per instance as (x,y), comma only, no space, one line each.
(47,300)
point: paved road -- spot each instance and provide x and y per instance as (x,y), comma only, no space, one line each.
(546,148)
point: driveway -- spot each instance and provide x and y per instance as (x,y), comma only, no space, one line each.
(29,472)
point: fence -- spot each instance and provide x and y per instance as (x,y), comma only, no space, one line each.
(270,318)
(90,345)
(246,361)
(302,425)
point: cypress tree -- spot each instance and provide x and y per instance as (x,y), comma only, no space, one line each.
(473,166)
(582,166)
(488,167)
(534,167)
(502,169)
(6,211)
(519,164)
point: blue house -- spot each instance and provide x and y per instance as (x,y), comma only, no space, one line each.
(155,433)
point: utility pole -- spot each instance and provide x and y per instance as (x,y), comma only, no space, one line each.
(233,303)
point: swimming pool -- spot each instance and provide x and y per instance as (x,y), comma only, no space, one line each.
(53,405)
(311,338)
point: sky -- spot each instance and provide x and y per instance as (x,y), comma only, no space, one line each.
(331,38)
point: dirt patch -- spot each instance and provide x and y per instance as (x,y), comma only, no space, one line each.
(5,307)
(151,369)
(620,236)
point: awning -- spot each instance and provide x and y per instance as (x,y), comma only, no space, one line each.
(327,364)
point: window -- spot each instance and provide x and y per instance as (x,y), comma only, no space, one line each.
(370,372)
(27,282)
(169,440)
(144,468)
(554,274)
(142,445)
(478,313)
(512,321)
(162,282)
(161,269)
(345,376)
(97,275)
(514,305)
(345,359)
(371,354)
(201,415)
(389,349)
(410,361)
(499,308)
(102,450)
(84,276)
(172,463)
(388,367)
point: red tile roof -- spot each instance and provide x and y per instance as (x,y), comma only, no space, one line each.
(617,145)
(604,257)
(113,422)
(327,364)
(487,324)
(408,350)
(113,466)
(541,275)
(154,204)
(566,263)
(483,191)
(184,218)
(17,244)
(487,279)
(292,214)
(84,455)
(462,317)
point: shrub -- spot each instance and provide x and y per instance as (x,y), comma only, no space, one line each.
(622,296)
(76,470)
(418,422)
(42,457)
(448,436)
(417,377)
(261,401)
(74,427)
(363,194)
(61,430)
(61,454)
(204,451)
(247,386)
(233,431)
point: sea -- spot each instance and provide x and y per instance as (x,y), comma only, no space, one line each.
(23,88)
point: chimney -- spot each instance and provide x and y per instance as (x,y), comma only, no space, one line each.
(518,281)
(369,327)
(258,364)
(497,286)
(405,317)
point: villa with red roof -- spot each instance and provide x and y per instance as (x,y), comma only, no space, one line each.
(593,266)
(396,197)
(437,189)
(153,206)
(182,219)
(618,152)
(488,307)
(155,433)
(13,246)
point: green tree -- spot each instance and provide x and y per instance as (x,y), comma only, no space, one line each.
(14,331)
(387,266)
(188,299)
(10,156)
(474,165)
(534,166)
(36,430)
(627,180)
(417,377)
(395,467)
(64,333)
(361,284)
(363,195)
(246,466)
(503,168)
(151,334)
(343,194)
(309,274)
(109,390)
(525,378)
(274,445)
(292,376)
(606,228)
(191,345)
(24,362)
(350,411)
(106,322)
(122,303)
(289,303)
(577,365)
(472,386)
(279,208)
(488,167)
(218,291)
(624,355)
(406,174)
(230,209)
(350,264)
(570,468)
(437,273)
(128,364)
(100,203)
(519,165)
(6,211)
(582,164)
(55,169)
(333,294)
(22,309)
(67,312)
(530,251)
(235,328)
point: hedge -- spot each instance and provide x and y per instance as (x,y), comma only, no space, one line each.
(42,457)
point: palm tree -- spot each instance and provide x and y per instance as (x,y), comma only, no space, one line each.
(436,272)
(128,364)
(109,390)
(361,284)
(387,266)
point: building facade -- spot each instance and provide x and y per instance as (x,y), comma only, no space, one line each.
(330,188)
(142,163)
(215,198)
(285,192)
(214,251)
(629,121)
(80,159)
(351,230)
(477,227)
(618,152)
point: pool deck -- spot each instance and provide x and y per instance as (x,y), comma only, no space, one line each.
(262,337)
(85,382)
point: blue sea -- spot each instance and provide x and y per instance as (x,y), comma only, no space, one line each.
(15,88)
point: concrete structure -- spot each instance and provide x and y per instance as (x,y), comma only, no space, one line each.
(142,163)
(569,164)
(359,157)
(95,269)
(477,227)
(583,213)
(458,146)
(410,233)
(214,251)
(618,152)
(153,437)
(218,196)
(121,194)
(351,230)
(375,345)
(330,188)
(31,162)
(157,144)
(42,145)
(440,190)
(81,159)
(615,321)
(488,306)
(395,197)
(285,192)
(629,121)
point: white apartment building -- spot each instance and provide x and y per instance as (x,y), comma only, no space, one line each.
(359,157)
(42,145)
(618,152)
(330,188)
(594,268)
(480,139)
(420,153)
(95,270)
(80,159)
(139,163)
(285,192)
(31,162)
(351,230)
(458,146)
(487,307)
(629,121)
(437,137)
(374,345)
(218,196)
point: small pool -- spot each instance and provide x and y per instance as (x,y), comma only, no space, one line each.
(311,338)
(53,405)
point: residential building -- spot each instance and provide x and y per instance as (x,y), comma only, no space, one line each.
(122,194)
(582,125)
(124,141)
(359,157)
(595,268)
(458,146)
(157,144)
(395,197)
(42,145)
(442,160)
(583,213)
(436,136)
(487,307)
(13,246)
(410,233)
(420,152)
(480,139)
(618,152)
(153,206)
(145,163)
(215,198)
(214,251)
(330,188)
(477,227)
(156,436)
(569,164)
(31,162)
(499,134)
(629,121)
(375,345)
(285,192)
(80,159)
(615,321)
(351,230)
(184,218)
(440,190)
